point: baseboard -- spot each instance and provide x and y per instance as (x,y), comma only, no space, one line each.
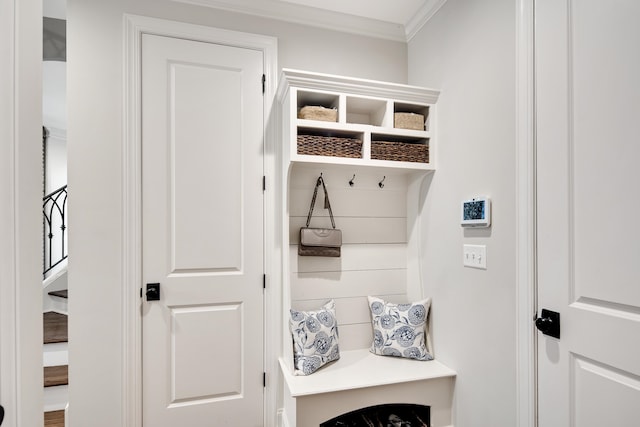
(282,418)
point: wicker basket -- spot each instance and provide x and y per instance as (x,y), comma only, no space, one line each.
(408,121)
(399,151)
(312,112)
(318,145)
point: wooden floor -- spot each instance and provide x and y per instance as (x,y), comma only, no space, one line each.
(54,419)
(56,375)
(62,294)
(54,327)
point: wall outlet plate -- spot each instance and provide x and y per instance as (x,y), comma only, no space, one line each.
(474,256)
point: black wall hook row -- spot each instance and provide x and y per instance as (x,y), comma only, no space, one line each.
(380,184)
(351,183)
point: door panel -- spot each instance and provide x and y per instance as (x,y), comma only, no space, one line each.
(206,104)
(193,348)
(588,99)
(202,213)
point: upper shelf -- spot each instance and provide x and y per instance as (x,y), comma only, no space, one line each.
(362,122)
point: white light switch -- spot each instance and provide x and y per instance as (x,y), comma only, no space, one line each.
(474,256)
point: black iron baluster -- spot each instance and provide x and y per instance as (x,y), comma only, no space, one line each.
(54,205)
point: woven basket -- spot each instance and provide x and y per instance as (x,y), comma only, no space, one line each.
(318,145)
(399,151)
(312,112)
(408,121)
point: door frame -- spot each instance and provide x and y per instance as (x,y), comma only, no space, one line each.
(21,391)
(526,289)
(134,27)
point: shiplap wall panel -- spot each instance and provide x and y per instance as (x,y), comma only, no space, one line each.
(355,336)
(372,202)
(346,284)
(373,221)
(356,230)
(354,257)
(348,310)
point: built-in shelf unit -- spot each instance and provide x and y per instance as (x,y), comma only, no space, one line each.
(375,195)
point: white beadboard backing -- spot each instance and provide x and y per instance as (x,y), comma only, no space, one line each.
(354,257)
(373,220)
(348,310)
(354,202)
(355,336)
(346,284)
(356,230)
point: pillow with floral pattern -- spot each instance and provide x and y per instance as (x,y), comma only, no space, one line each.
(401,330)
(315,338)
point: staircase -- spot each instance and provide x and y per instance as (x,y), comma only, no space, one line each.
(55,356)
(55,362)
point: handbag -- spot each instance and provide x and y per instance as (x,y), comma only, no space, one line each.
(325,242)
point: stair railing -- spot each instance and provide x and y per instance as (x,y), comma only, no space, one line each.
(54,239)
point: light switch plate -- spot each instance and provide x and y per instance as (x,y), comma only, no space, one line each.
(474,256)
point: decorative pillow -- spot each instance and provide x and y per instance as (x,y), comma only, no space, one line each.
(400,329)
(315,338)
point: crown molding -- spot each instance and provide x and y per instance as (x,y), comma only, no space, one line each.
(353,86)
(305,15)
(426,12)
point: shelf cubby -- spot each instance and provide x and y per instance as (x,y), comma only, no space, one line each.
(367,111)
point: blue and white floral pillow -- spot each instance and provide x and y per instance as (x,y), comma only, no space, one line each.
(315,338)
(401,329)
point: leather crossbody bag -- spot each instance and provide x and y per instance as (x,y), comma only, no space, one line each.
(325,242)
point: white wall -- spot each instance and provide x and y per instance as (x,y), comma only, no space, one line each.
(56,160)
(467,50)
(95,99)
(20,213)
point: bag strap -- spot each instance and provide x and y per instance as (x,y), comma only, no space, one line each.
(327,204)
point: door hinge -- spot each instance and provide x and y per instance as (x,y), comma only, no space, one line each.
(264,281)
(264,183)
(264,83)
(264,379)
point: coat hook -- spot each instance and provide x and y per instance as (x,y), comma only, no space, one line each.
(351,181)
(380,184)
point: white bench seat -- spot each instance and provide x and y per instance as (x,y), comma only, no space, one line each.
(361,379)
(360,368)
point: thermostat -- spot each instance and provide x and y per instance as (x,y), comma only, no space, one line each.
(476,212)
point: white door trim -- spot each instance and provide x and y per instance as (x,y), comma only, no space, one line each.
(21,212)
(525,217)
(134,27)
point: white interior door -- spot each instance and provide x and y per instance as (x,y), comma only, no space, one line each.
(202,220)
(587,114)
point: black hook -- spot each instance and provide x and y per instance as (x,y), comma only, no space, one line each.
(380,184)
(351,181)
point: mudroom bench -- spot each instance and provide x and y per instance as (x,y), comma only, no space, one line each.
(374,144)
(360,379)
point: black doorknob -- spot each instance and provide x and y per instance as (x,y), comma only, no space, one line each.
(153,292)
(544,324)
(1,414)
(549,323)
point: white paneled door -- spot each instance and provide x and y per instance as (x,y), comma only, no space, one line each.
(588,196)
(202,221)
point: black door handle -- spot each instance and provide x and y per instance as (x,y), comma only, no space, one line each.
(549,323)
(1,414)
(153,292)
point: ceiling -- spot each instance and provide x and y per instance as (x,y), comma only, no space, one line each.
(389,19)
(397,20)
(396,11)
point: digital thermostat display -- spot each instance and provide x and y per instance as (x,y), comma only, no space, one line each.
(476,212)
